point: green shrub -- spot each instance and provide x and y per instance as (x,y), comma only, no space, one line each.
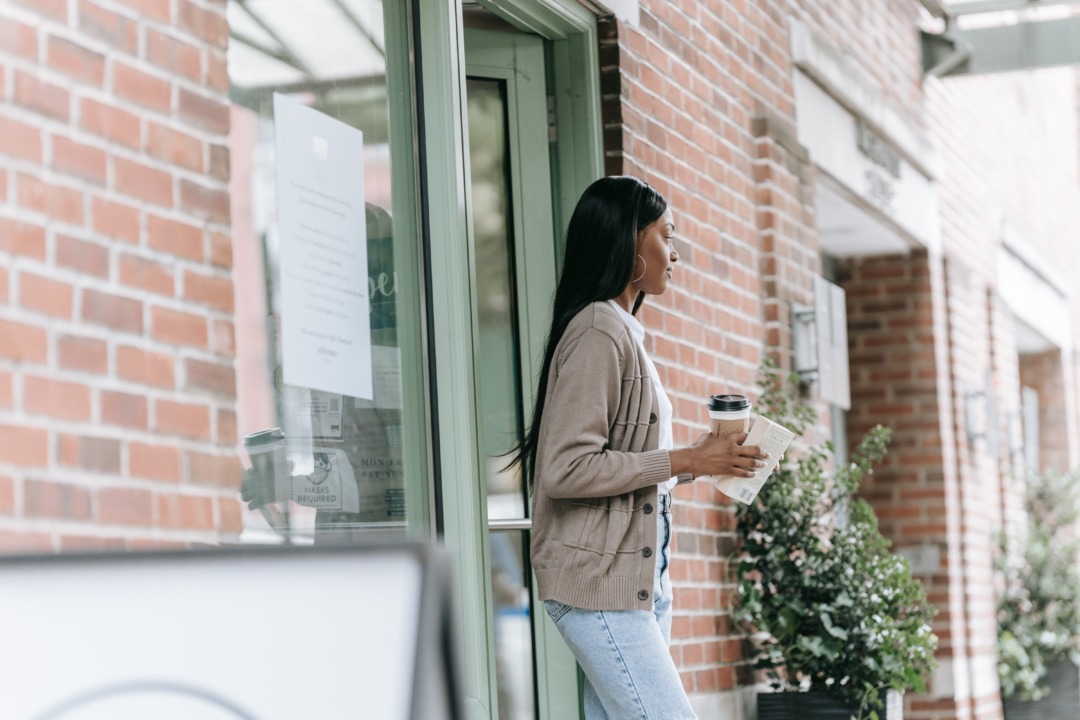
(1039,610)
(828,606)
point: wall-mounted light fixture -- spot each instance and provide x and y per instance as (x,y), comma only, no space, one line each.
(819,340)
(804,342)
(1014,437)
(975,415)
(980,415)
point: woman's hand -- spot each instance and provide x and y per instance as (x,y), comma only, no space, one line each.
(258,488)
(725,455)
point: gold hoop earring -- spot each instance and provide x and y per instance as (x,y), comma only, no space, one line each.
(643,269)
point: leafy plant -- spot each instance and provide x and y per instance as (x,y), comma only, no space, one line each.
(828,606)
(1039,610)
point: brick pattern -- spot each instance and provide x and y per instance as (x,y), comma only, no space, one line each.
(117,394)
(705,333)
(894,381)
(897,338)
(930,344)
(1008,373)
(789,257)
(1030,181)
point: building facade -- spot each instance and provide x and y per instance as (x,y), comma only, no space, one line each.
(180,181)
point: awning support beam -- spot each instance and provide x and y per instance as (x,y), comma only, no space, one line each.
(359,26)
(989,6)
(270,52)
(285,54)
(1002,48)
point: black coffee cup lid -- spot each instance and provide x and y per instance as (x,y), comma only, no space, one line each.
(728,403)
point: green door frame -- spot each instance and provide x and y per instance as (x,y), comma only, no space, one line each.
(518,60)
(579,160)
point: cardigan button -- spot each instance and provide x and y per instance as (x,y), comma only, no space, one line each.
(652,418)
(647,552)
(642,594)
(647,509)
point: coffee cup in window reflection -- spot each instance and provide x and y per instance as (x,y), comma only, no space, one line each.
(266,449)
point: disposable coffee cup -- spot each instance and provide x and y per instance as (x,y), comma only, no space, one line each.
(266,449)
(730,414)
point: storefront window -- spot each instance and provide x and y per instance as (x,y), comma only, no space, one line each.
(322,127)
(210,286)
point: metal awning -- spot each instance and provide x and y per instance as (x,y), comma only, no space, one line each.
(994,36)
(274,45)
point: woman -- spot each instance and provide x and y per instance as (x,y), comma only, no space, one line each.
(602,461)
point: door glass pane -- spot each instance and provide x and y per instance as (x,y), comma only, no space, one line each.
(498,383)
(513,624)
(144,310)
(349,463)
(498,371)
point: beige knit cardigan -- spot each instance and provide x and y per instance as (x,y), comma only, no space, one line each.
(597,468)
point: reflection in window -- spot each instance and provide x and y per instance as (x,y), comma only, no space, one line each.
(513,628)
(338,465)
(499,392)
(498,382)
(139,257)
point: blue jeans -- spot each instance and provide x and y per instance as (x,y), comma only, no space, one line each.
(629,672)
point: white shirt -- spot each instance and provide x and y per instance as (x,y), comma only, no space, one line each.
(667,436)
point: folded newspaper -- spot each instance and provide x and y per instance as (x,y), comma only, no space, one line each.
(773,439)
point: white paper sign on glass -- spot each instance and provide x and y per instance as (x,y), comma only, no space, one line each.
(325,316)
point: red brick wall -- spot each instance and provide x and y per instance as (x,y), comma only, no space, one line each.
(881,36)
(894,382)
(1030,180)
(899,329)
(928,340)
(117,393)
(971,347)
(1016,165)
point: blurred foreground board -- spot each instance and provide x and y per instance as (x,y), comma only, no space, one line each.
(253,633)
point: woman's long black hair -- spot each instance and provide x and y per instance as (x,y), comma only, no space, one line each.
(601,249)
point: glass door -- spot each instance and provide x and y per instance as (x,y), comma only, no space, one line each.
(513,250)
